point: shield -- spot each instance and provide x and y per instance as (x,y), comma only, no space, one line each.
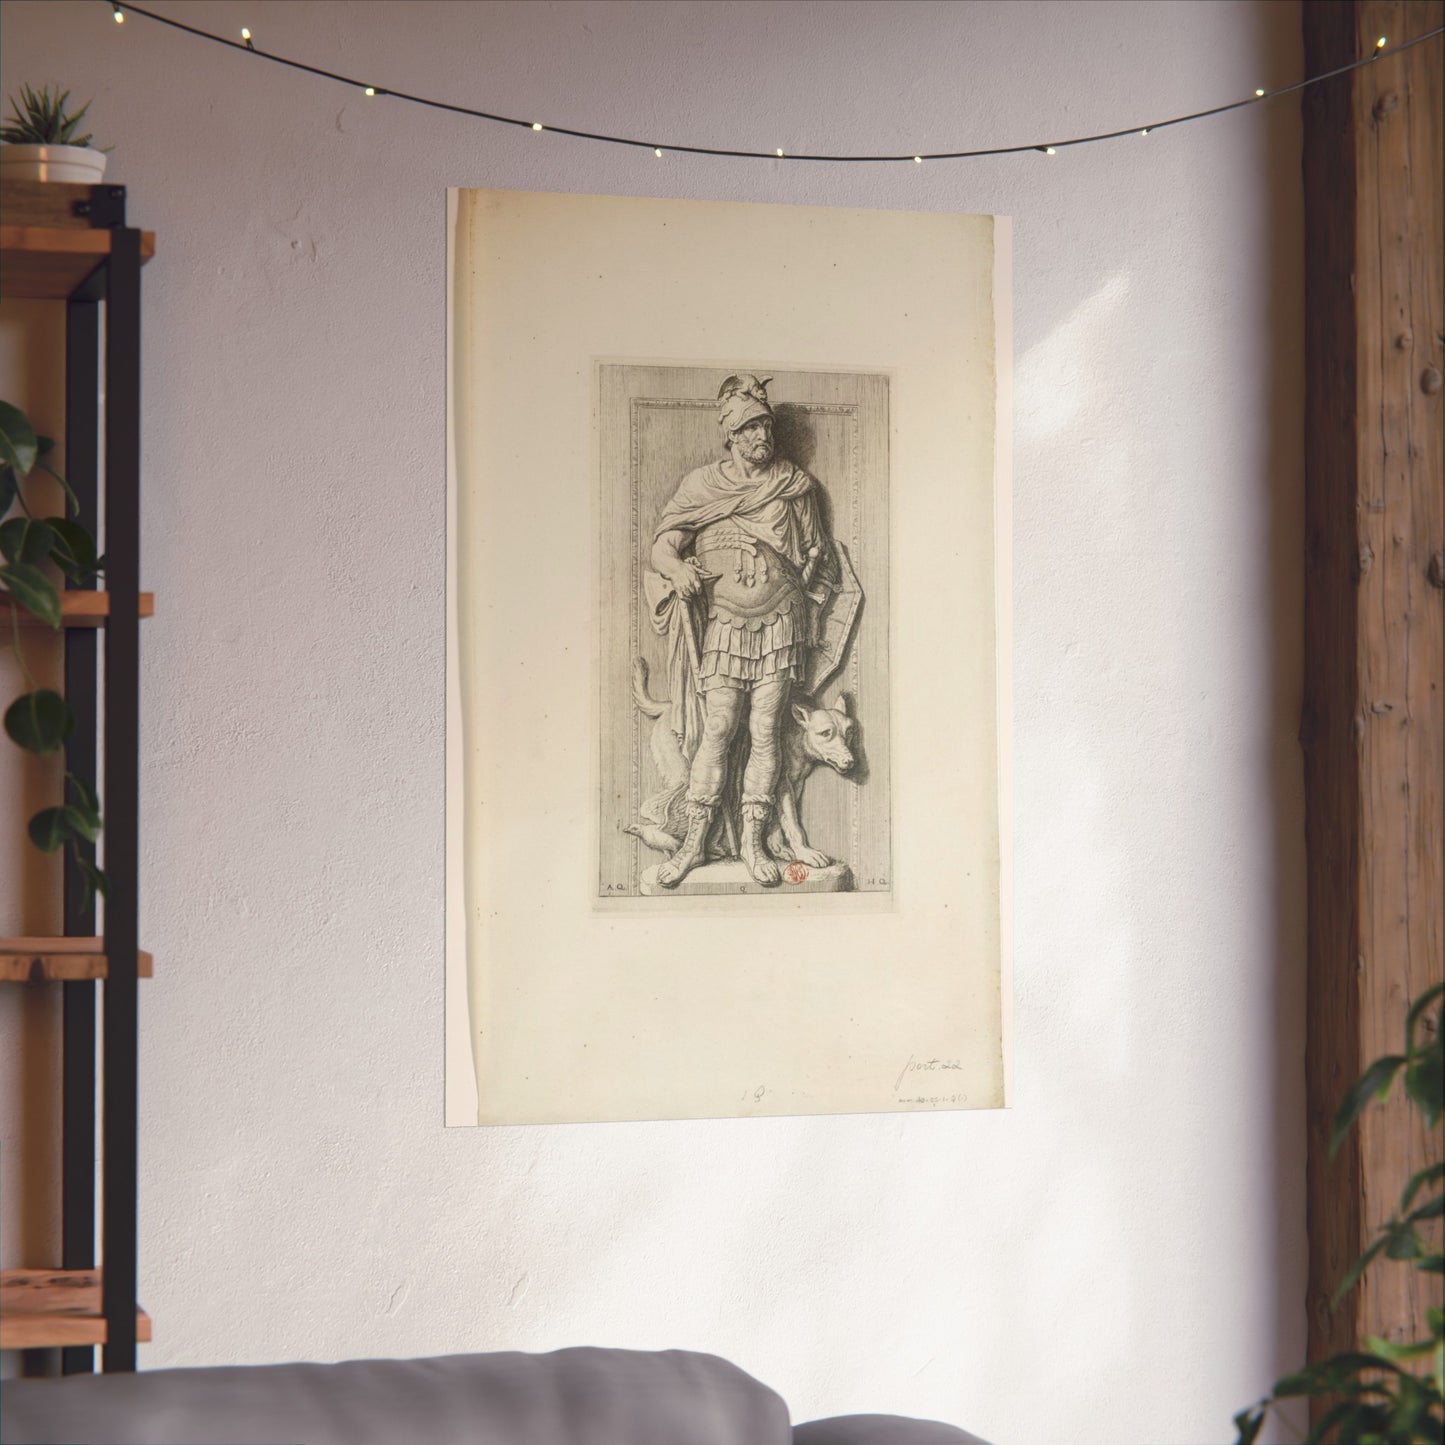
(835,626)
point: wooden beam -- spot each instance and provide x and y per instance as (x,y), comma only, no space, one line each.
(1373,725)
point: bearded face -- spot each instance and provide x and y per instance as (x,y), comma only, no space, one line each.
(754,441)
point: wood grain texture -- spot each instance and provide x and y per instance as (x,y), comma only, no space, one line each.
(44,203)
(1373,726)
(57,960)
(83,609)
(48,1308)
(39,263)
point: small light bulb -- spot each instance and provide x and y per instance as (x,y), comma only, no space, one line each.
(1259,94)
(119,15)
(536,125)
(370,90)
(918,160)
(245,32)
(1381,43)
(657,151)
(780,155)
(1050,151)
(1145,131)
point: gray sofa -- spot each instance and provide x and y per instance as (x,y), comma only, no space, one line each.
(570,1397)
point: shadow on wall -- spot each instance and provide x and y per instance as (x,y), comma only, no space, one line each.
(1282,342)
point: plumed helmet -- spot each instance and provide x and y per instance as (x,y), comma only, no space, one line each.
(741,399)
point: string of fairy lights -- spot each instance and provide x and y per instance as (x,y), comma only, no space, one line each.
(661,149)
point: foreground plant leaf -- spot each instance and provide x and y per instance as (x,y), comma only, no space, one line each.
(32,589)
(73,549)
(18,445)
(23,539)
(40,722)
(48,829)
(92,880)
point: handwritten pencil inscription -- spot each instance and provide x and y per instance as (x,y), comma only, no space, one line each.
(916,1065)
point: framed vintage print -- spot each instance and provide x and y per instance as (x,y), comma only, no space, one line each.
(727,659)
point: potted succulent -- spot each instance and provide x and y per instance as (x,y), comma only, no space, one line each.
(40,142)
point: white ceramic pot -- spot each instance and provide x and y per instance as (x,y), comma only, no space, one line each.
(78,164)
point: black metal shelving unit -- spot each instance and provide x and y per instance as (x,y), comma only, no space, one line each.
(73,243)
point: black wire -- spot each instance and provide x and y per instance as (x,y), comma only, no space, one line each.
(250,48)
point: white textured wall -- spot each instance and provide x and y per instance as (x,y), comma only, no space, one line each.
(1118,1257)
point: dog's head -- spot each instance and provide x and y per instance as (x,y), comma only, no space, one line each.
(825,732)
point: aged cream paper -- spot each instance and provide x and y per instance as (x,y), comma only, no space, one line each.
(588,338)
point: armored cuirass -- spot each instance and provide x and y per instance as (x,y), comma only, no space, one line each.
(752,583)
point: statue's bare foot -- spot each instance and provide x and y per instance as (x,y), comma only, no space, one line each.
(671,873)
(812,857)
(763,869)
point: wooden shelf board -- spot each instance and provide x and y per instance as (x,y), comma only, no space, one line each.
(44,203)
(49,1308)
(41,263)
(59,960)
(83,609)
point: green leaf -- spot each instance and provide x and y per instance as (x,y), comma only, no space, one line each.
(1431,1263)
(1328,1421)
(1413,1350)
(1425,1081)
(1418,1181)
(1249,1423)
(71,500)
(7,488)
(81,823)
(22,539)
(1411,1406)
(1431,1209)
(1337,1375)
(74,549)
(1416,1009)
(92,880)
(1359,1422)
(18,445)
(49,829)
(87,803)
(1356,1270)
(75,539)
(1374,1083)
(1403,1243)
(33,590)
(39,721)
(41,119)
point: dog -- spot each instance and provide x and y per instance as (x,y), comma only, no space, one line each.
(814,736)
(819,735)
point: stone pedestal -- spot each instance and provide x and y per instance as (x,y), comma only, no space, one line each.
(730,876)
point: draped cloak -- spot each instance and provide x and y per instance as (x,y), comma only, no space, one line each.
(777,511)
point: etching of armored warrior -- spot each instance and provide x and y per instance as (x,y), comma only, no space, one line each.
(743,568)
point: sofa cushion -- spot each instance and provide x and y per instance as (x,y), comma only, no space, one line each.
(570,1397)
(880,1430)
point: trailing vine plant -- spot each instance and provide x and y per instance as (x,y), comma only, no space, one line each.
(1377,1395)
(40,720)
